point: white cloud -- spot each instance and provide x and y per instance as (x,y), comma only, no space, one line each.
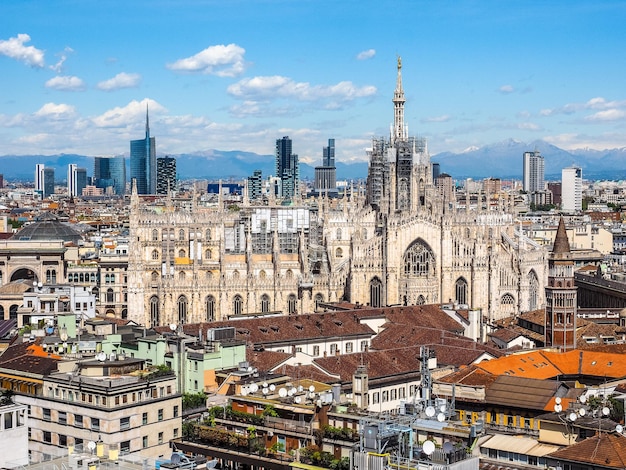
(58,67)
(130,115)
(121,80)
(368,54)
(607,115)
(220,60)
(271,87)
(506,89)
(528,126)
(56,111)
(15,49)
(442,118)
(66,83)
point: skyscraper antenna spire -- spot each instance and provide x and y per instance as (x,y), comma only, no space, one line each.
(147,122)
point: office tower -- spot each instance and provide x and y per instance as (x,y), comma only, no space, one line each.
(436,170)
(571,189)
(326,175)
(1,180)
(554,189)
(287,168)
(561,296)
(76,180)
(166,175)
(255,185)
(534,165)
(48,182)
(445,185)
(39,181)
(110,172)
(143,162)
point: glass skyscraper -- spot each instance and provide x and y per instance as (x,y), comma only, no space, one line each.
(166,175)
(287,168)
(143,165)
(110,172)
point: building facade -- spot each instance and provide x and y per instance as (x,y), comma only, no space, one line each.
(76,180)
(572,189)
(287,168)
(166,175)
(143,162)
(326,175)
(398,242)
(110,172)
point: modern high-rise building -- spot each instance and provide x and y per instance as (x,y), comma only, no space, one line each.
(166,175)
(143,162)
(534,167)
(571,189)
(326,175)
(287,168)
(76,180)
(110,172)
(44,180)
(255,185)
(1,180)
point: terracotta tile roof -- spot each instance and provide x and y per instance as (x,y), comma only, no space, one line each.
(521,392)
(605,450)
(265,360)
(532,364)
(472,376)
(29,357)
(309,372)
(506,334)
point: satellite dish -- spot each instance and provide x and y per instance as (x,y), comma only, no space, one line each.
(254,388)
(442,408)
(619,428)
(91,445)
(448,447)
(211,463)
(558,408)
(441,417)
(173,326)
(572,416)
(265,390)
(290,392)
(175,458)
(311,395)
(430,412)
(272,387)
(298,399)
(582,412)
(249,368)
(293,390)
(428,447)
(244,392)
(282,392)
(606,411)
(300,388)
(558,400)
(583,398)
(264,384)
(311,388)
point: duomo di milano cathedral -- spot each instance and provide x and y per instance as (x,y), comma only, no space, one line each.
(399,242)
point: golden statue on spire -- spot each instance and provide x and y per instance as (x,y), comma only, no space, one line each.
(399,62)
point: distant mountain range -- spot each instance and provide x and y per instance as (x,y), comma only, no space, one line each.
(499,160)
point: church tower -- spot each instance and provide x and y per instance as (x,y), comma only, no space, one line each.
(561,298)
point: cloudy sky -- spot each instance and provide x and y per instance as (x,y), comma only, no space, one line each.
(76,76)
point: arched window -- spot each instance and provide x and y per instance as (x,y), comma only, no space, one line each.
(208,274)
(155,254)
(262,274)
(319,298)
(208,254)
(181,235)
(210,308)
(420,300)
(460,289)
(235,274)
(155,235)
(533,291)
(13,312)
(182,276)
(154,311)
(289,274)
(338,253)
(155,276)
(364,234)
(92,277)
(207,234)
(181,253)
(265,303)
(182,310)
(338,234)
(419,260)
(1,312)
(507,305)
(0,278)
(237,305)
(376,290)
(292,304)
(110,295)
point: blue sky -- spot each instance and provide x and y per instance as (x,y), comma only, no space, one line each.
(75,76)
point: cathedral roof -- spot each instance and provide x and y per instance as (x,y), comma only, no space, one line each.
(561,243)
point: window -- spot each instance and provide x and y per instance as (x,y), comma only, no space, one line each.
(176,409)
(155,276)
(181,235)
(461,290)
(181,254)
(385,396)
(265,303)
(375,397)
(125,446)
(363,346)
(62,440)
(95,424)
(333,348)
(154,311)
(144,441)
(62,417)
(419,260)
(210,308)
(376,287)
(155,254)
(175,433)
(160,439)
(338,253)
(47,436)
(46,414)
(144,418)
(125,423)
(155,235)
(207,235)
(238,305)
(349,347)
(292,304)
(182,310)
(316,351)
(160,414)
(8,420)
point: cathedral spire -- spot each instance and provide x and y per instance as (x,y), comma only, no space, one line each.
(561,243)
(399,132)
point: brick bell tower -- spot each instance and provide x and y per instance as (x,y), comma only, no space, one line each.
(561,296)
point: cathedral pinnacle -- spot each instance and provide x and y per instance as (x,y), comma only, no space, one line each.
(399,132)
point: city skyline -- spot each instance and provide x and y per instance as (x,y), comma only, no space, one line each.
(243,75)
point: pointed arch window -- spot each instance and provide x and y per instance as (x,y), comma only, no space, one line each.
(338,234)
(237,305)
(210,308)
(533,291)
(421,300)
(110,295)
(460,289)
(155,235)
(265,303)
(154,311)
(181,235)
(155,254)
(507,305)
(419,260)
(182,309)
(376,290)
(292,304)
